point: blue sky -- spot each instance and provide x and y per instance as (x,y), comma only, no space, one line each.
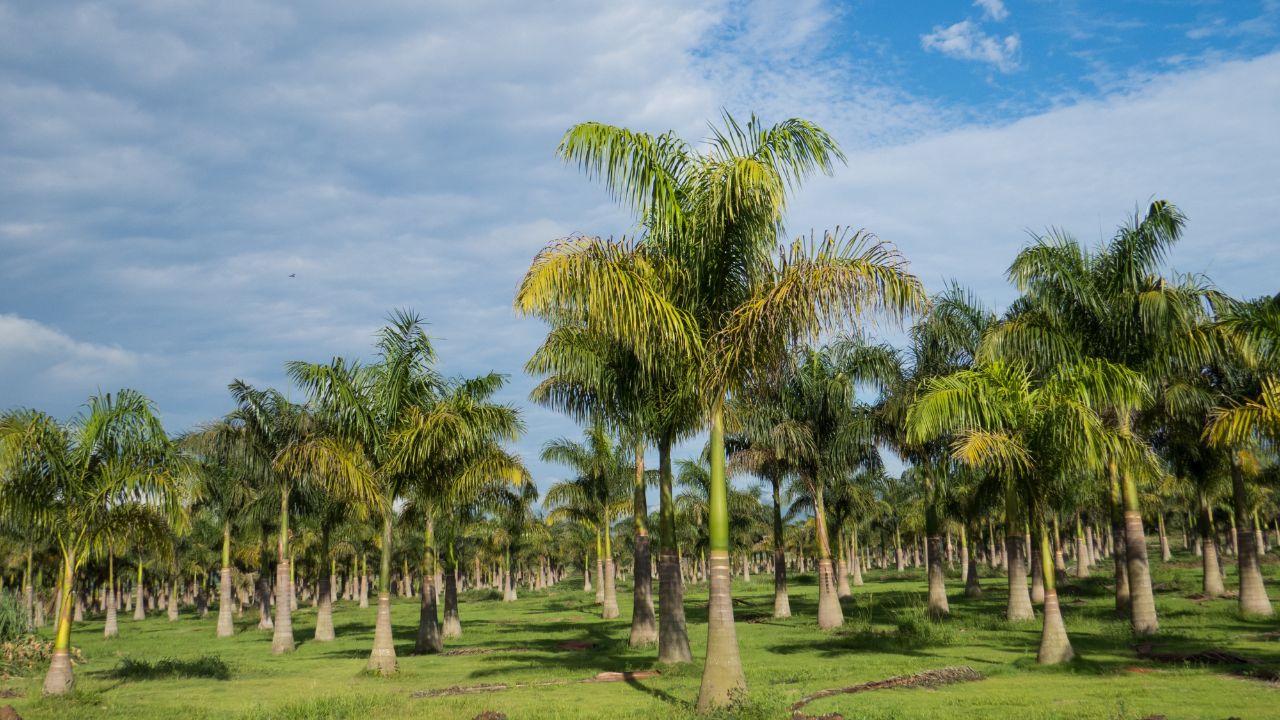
(166,165)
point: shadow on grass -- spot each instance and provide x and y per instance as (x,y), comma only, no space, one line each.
(209,667)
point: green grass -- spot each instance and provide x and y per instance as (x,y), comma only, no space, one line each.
(158,669)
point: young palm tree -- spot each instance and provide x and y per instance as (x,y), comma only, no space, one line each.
(702,289)
(596,494)
(108,469)
(402,416)
(1112,305)
(1038,436)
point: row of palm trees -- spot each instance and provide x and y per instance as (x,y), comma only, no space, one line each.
(1104,379)
(381,443)
(1108,393)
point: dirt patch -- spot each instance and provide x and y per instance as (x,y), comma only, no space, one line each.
(490,715)
(8,713)
(926,679)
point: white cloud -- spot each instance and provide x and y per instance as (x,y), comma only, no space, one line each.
(965,40)
(958,204)
(993,9)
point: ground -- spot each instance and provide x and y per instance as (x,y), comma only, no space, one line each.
(548,642)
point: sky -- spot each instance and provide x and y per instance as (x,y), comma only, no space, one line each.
(193,191)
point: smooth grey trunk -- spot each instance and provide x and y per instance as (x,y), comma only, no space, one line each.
(428,640)
(226,628)
(644,626)
(1253,598)
(830,614)
(673,633)
(324,609)
(1019,605)
(937,600)
(282,637)
(609,610)
(722,677)
(452,621)
(112,626)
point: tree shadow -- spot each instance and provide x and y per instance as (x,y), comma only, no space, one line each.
(209,667)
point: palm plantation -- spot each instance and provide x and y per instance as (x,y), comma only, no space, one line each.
(897,489)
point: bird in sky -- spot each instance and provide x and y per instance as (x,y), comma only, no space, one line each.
(293,274)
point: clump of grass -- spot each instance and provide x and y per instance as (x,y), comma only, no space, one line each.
(917,629)
(15,623)
(205,666)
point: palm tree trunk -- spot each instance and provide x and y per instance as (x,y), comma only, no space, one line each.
(173,598)
(1055,646)
(1165,554)
(1142,601)
(139,608)
(1211,583)
(1253,593)
(857,561)
(673,633)
(324,602)
(599,569)
(586,572)
(1037,582)
(722,677)
(60,678)
(1121,557)
(382,658)
(363,587)
(452,620)
(1019,604)
(112,626)
(609,610)
(971,586)
(781,602)
(1059,562)
(830,614)
(225,628)
(428,640)
(937,600)
(842,568)
(282,638)
(1082,550)
(644,626)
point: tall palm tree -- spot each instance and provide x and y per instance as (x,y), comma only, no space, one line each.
(704,289)
(1038,435)
(106,470)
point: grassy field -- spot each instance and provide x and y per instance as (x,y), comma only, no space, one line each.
(158,669)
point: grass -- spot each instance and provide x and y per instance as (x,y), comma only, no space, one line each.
(159,669)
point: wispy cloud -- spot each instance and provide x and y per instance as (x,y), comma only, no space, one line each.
(966,40)
(993,9)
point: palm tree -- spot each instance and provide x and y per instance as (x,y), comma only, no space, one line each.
(1038,435)
(702,290)
(402,416)
(104,471)
(1249,415)
(1112,305)
(598,380)
(768,443)
(226,491)
(595,495)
